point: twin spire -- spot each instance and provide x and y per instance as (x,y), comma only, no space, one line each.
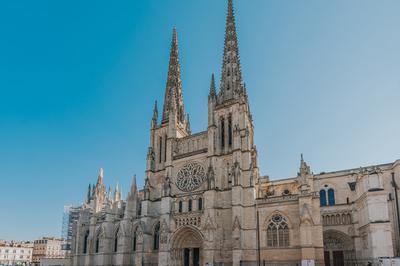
(173,99)
(231,76)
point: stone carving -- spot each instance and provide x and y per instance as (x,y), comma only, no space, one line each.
(211,177)
(236,173)
(167,186)
(164,232)
(190,177)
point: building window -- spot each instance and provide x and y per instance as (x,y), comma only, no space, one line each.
(331,197)
(277,232)
(160,150)
(97,244)
(180,206)
(134,240)
(222,133)
(200,204)
(85,242)
(165,148)
(322,197)
(230,131)
(116,240)
(156,237)
(190,205)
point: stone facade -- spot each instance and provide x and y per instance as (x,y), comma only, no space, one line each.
(205,203)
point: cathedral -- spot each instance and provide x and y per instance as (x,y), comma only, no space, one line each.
(205,202)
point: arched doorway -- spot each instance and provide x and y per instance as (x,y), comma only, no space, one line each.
(338,248)
(187,247)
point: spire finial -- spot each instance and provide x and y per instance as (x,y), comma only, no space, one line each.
(173,92)
(231,76)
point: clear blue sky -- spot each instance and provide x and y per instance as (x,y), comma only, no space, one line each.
(78,80)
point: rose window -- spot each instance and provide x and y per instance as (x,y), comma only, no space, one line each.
(190,177)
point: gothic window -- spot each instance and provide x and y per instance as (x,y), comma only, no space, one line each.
(85,242)
(134,240)
(160,149)
(200,204)
(322,197)
(190,205)
(230,131)
(156,237)
(116,241)
(97,245)
(222,133)
(331,197)
(180,206)
(277,232)
(165,148)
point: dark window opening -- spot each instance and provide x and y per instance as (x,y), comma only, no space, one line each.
(190,205)
(180,206)
(200,204)
(160,151)
(222,133)
(165,148)
(85,242)
(156,237)
(230,131)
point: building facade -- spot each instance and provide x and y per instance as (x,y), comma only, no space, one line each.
(16,253)
(205,203)
(47,247)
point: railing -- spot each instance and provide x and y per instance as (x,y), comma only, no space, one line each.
(272,199)
(190,145)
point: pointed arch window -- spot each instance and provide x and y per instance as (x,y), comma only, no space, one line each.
(222,133)
(322,197)
(134,240)
(160,149)
(85,242)
(230,131)
(180,206)
(277,232)
(200,204)
(190,205)
(97,245)
(116,240)
(331,197)
(156,237)
(165,147)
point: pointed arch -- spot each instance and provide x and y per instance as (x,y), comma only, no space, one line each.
(277,227)
(156,236)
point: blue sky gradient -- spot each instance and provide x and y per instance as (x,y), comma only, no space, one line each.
(78,80)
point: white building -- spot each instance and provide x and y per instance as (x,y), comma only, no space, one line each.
(16,253)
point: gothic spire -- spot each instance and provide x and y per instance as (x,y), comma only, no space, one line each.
(173,100)
(231,76)
(89,195)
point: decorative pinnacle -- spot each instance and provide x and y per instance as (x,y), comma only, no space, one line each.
(212,86)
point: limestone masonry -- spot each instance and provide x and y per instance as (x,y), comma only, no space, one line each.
(205,203)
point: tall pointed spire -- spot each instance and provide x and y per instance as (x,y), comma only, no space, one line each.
(231,76)
(173,100)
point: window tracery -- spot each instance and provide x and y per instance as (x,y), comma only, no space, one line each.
(277,231)
(190,177)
